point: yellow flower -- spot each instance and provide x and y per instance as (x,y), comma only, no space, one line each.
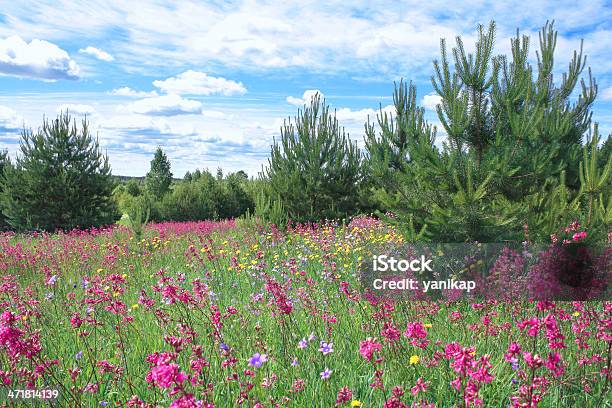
(100,270)
(576,314)
(427,325)
(135,306)
(356,403)
(414,359)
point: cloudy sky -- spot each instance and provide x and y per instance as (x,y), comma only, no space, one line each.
(211,82)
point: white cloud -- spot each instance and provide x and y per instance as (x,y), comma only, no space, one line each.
(99,54)
(353,120)
(141,123)
(214,114)
(166,105)
(306,98)
(430,101)
(37,59)
(362,115)
(127,91)
(10,120)
(77,109)
(606,94)
(198,83)
(368,37)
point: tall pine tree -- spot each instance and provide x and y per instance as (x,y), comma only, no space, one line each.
(60,180)
(510,134)
(315,168)
(5,163)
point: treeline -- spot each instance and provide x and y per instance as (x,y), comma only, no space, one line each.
(517,154)
(200,196)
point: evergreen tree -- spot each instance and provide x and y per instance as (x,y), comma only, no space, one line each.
(159,178)
(510,134)
(5,163)
(60,179)
(315,168)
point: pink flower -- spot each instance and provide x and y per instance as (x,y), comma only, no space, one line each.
(579,236)
(421,386)
(532,324)
(368,347)
(513,350)
(456,383)
(186,401)
(415,331)
(553,363)
(390,332)
(166,375)
(532,360)
(553,334)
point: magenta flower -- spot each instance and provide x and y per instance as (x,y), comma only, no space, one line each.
(415,331)
(421,386)
(186,401)
(166,375)
(368,347)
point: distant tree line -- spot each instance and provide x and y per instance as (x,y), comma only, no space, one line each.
(515,151)
(199,196)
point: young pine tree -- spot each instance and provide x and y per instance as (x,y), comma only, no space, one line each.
(60,180)
(511,132)
(315,168)
(5,163)
(159,178)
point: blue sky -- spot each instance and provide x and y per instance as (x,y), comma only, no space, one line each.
(211,82)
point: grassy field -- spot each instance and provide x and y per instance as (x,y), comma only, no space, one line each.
(214,314)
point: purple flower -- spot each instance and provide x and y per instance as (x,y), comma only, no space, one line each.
(326,374)
(303,344)
(52,280)
(326,348)
(312,337)
(224,347)
(79,355)
(514,362)
(103,403)
(295,362)
(257,360)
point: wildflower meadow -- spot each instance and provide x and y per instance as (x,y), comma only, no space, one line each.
(223,314)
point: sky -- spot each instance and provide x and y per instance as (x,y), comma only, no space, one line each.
(211,82)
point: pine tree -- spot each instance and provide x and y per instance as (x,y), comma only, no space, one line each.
(159,178)
(60,179)
(315,168)
(509,134)
(5,163)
